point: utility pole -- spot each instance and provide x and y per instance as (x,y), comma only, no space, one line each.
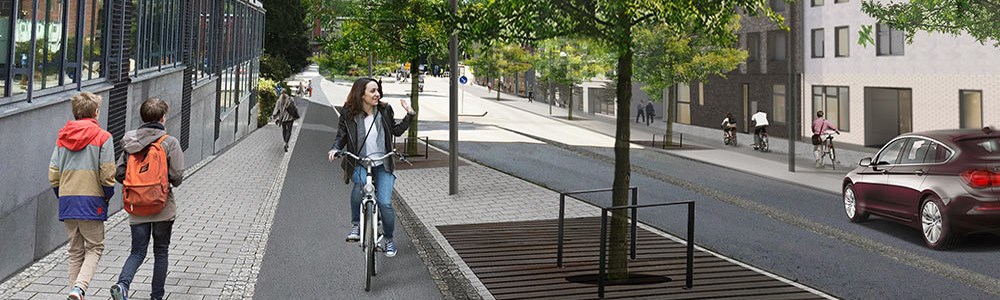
(453,109)
(791,99)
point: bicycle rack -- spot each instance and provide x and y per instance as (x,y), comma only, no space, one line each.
(426,143)
(602,265)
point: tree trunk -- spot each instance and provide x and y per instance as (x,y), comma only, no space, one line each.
(411,143)
(618,255)
(668,137)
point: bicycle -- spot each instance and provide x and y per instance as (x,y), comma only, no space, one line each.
(729,137)
(371,219)
(762,144)
(827,149)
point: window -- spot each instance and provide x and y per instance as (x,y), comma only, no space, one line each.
(777,45)
(817,2)
(843,41)
(777,5)
(937,154)
(890,154)
(156,33)
(841,1)
(42,45)
(917,151)
(890,41)
(683,104)
(835,103)
(701,93)
(817,43)
(971,107)
(778,100)
(753,47)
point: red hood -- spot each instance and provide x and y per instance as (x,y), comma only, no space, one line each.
(77,134)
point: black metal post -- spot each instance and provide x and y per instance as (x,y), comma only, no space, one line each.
(602,261)
(453,109)
(635,218)
(689,281)
(427,147)
(559,242)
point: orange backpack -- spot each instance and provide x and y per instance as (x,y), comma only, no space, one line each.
(146,183)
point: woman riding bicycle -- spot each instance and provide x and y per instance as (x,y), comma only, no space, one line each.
(728,126)
(364,129)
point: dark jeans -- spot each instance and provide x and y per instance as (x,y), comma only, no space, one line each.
(286,130)
(383,197)
(140,242)
(642,115)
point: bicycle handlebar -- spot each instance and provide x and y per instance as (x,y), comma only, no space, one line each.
(368,160)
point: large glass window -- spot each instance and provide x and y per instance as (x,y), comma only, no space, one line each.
(48,45)
(835,103)
(157,32)
(683,104)
(753,47)
(23,47)
(817,43)
(890,41)
(843,41)
(971,107)
(6,8)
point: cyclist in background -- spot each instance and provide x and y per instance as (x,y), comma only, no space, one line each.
(729,126)
(820,126)
(366,128)
(760,126)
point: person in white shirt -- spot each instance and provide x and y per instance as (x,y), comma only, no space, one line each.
(760,125)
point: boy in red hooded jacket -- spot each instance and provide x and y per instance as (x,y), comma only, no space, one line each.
(82,173)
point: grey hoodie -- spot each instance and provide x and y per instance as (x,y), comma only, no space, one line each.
(137,140)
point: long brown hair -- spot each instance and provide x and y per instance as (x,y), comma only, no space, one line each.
(354,104)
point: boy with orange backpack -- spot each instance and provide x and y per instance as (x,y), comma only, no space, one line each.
(152,162)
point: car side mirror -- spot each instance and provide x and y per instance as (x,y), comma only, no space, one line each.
(865,162)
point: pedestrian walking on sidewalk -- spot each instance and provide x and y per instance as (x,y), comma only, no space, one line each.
(366,128)
(82,175)
(309,87)
(641,112)
(650,112)
(141,147)
(285,113)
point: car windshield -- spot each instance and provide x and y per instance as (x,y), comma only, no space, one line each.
(982,147)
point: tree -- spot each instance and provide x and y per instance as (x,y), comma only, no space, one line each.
(494,62)
(395,30)
(285,34)
(570,61)
(667,55)
(611,23)
(978,18)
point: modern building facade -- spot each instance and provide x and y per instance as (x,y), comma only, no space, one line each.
(200,56)
(872,93)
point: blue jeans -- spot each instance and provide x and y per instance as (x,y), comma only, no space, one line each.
(383,195)
(140,242)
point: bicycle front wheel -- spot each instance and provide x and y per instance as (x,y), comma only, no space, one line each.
(833,157)
(369,247)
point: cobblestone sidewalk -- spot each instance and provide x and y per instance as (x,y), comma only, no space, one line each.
(225,208)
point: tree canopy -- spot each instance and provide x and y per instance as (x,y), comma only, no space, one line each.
(977,18)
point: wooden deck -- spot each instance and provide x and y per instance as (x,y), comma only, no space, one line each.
(517,260)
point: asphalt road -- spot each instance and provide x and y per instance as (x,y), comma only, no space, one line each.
(306,256)
(791,230)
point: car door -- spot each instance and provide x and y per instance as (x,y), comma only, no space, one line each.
(871,187)
(906,178)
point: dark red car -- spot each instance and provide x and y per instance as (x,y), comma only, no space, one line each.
(945,183)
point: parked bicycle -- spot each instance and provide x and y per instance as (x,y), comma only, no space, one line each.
(371,220)
(827,150)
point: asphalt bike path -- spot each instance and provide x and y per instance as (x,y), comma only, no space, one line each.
(307,257)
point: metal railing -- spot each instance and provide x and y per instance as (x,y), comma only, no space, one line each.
(601,280)
(427,143)
(602,265)
(679,135)
(562,214)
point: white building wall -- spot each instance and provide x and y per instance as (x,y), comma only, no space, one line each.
(934,66)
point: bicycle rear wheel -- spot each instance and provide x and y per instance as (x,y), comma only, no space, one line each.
(763,144)
(369,247)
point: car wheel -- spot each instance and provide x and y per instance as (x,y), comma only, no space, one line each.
(854,211)
(934,224)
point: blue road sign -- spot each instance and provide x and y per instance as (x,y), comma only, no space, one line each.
(463,80)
